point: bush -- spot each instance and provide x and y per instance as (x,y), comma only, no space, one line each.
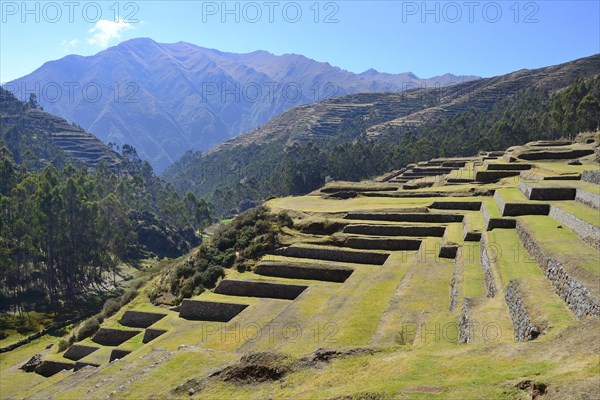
(111,306)
(63,345)
(89,327)
(128,296)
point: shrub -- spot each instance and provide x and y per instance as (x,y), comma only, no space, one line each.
(111,306)
(63,345)
(89,327)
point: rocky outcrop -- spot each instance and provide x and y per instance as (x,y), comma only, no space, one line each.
(577,297)
(522,321)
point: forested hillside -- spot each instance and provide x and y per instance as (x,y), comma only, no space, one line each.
(68,220)
(345,138)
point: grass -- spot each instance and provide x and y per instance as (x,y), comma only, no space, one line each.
(563,244)
(401,307)
(580,211)
(513,262)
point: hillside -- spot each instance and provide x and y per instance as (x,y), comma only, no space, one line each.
(166,99)
(361,135)
(462,278)
(50,139)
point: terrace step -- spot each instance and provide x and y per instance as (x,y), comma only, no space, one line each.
(508,167)
(118,354)
(546,193)
(396,230)
(77,351)
(150,334)
(339,255)
(405,217)
(295,270)
(492,176)
(139,319)
(49,368)
(382,243)
(456,205)
(201,310)
(513,209)
(588,198)
(113,337)
(577,286)
(231,287)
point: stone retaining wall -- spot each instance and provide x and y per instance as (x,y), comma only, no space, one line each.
(233,287)
(464,324)
(48,368)
(407,217)
(209,310)
(577,297)
(303,271)
(368,243)
(396,230)
(118,354)
(508,167)
(448,251)
(150,334)
(516,209)
(492,223)
(316,253)
(113,337)
(490,286)
(490,176)
(588,198)
(522,321)
(587,232)
(456,205)
(77,352)
(544,193)
(79,365)
(139,319)
(591,176)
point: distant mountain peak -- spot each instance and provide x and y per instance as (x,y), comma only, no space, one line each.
(168,98)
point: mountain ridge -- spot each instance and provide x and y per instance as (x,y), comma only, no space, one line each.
(165,99)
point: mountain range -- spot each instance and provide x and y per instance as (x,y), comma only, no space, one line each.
(356,136)
(166,99)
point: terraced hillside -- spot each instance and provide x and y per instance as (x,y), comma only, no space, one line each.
(54,136)
(460,278)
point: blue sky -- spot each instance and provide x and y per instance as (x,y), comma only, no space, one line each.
(484,38)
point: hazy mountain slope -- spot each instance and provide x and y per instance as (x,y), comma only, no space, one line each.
(37,137)
(357,136)
(166,99)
